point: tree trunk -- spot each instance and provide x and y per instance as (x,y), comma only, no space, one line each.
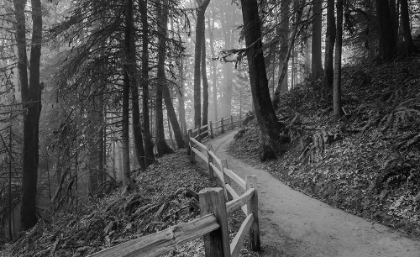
(405,23)
(197,61)
(102,143)
(227,85)
(284,43)
(264,111)
(298,16)
(161,144)
(205,81)
(316,40)
(181,95)
(214,74)
(131,72)
(337,71)
(387,42)
(31,90)
(329,49)
(148,145)
(125,137)
(172,117)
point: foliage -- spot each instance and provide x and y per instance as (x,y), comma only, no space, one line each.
(367,163)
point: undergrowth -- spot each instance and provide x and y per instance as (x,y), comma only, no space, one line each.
(367,163)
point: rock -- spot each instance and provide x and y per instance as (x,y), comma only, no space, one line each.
(383,194)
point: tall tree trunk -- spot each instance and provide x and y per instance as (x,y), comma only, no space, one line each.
(298,16)
(102,143)
(337,71)
(148,145)
(181,95)
(227,85)
(405,23)
(131,71)
(214,74)
(329,49)
(161,144)
(205,81)
(172,117)
(266,117)
(31,90)
(284,42)
(316,40)
(387,42)
(197,60)
(125,136)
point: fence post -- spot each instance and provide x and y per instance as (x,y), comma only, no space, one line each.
(209,160)
(190,147)
(254,232)
(189,134)
(198,134)
(216,243)
(211,129)
(226,178)
(222,128)
(231,122)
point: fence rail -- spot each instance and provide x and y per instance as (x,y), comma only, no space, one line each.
(215,206)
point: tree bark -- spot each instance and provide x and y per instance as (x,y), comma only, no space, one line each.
(197,61)
(148,145)
(130,67)
(181,95)
(204,79)
(316,40)
(387,41)
(405,23)
(298,16)
(337,71)
(329,49)
(125,137)
(284,42)
(161,144)
(214,75)
(172,117)
(31,90)
(269,126)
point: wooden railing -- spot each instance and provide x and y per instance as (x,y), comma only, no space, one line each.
(215,206)
(214,128)
(248,201)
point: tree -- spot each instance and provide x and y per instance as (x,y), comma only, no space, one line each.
(316,39)
(283,72)
(31,89)
(148,145)
(337,70)
(329,48)
(264,111)
(130,70)
(161,144)
(387,40)
(284,41)
(405,24)
(204,79)
(172,117)
(214,71)
(197,60)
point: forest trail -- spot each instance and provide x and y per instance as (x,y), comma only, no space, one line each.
(294,224)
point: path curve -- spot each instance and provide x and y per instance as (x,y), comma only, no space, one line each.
(294,224)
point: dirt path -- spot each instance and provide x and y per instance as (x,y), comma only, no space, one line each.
(293,224)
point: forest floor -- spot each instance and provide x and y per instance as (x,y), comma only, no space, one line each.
(166,196)
(367,163)
(294,224)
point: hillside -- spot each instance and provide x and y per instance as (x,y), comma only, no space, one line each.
(367,163)
(166,195)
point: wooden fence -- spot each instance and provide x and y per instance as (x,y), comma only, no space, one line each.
(215,206)
(214,128)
